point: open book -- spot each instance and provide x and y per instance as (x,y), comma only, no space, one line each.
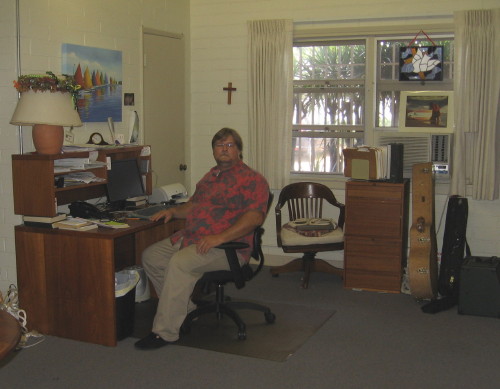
(305,224)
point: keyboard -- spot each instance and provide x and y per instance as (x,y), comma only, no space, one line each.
(145,213)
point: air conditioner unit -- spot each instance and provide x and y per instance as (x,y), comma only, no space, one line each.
(419,148)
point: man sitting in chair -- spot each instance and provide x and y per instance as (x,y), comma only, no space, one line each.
(230,201)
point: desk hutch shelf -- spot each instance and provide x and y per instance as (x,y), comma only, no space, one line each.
(34,180)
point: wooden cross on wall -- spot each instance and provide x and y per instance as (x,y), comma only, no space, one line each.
(229,90)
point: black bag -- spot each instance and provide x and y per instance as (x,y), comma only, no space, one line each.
(452,255)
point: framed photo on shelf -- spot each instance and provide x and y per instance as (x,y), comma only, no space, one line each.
(430,111)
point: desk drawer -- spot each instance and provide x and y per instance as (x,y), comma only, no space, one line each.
(374,191)
(373,264)
(374,255)
(381,282)
(368,218)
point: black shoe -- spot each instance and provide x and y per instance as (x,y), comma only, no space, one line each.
(151,342)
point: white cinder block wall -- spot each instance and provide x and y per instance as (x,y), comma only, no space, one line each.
(219,56)
(8,143)
(45,25)
(218,52)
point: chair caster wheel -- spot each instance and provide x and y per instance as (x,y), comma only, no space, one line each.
(242,335)
(270,317)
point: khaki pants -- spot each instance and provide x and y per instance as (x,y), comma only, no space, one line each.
(174,273)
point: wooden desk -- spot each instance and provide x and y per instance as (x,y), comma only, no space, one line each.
(66,279)
(10,333)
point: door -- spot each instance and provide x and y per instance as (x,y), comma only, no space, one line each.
(164,105)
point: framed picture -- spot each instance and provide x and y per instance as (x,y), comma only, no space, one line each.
(128,99)
(426,111)
(99,74)
(422,63)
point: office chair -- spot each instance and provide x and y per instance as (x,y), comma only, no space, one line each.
(238,275)
(305,200)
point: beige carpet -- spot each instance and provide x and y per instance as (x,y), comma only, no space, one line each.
(276,342)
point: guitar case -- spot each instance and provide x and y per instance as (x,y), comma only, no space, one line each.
(453,253)
(422,264)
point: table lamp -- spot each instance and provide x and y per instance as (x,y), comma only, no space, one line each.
(47,112)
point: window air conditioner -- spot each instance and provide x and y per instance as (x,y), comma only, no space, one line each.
(421,147)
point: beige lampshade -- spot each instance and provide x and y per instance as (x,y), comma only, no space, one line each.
(54,108)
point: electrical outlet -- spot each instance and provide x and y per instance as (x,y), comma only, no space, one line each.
(69,137)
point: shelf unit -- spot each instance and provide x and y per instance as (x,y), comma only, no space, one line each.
(376,235)
(34,180)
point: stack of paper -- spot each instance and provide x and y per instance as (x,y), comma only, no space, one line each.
(111,224)
(43,221)
(76,224)
(78,163)
(78,178)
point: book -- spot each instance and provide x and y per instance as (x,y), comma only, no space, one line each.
(73,223)
(135,203)
(44,219)
(39,224)
(82,228)
(313,224)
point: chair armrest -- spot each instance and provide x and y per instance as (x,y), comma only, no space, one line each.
(341,220)
(277,213)
(233,245)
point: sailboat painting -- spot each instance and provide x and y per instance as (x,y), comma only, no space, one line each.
(99,74)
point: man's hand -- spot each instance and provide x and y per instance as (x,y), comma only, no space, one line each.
(178,212)
(245,224)
(208,242)
(165,214)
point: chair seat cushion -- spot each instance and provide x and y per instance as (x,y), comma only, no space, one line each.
(292,238)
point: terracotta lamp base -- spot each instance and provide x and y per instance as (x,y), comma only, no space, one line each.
(48,139)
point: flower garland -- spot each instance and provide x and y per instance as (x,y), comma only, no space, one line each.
(49,82)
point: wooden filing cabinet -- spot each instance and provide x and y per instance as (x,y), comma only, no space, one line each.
(376,235)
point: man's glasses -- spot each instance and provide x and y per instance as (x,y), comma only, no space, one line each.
(224,145)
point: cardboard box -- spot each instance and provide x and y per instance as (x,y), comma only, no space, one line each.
(360,163)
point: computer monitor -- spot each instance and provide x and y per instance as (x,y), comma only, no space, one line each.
(124,180)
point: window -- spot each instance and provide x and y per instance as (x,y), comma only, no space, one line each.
(389,86)
(342,94)
(329,99)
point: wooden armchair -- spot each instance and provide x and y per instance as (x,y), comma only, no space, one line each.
(306,200)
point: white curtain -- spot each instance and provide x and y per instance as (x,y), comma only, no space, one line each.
(477,93)
(270,64)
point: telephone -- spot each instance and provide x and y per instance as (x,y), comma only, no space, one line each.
(86,210)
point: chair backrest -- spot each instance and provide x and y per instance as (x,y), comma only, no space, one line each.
(240,274)
(306,200)
(257,253)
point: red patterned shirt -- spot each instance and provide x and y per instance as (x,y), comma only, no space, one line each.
(221,197)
